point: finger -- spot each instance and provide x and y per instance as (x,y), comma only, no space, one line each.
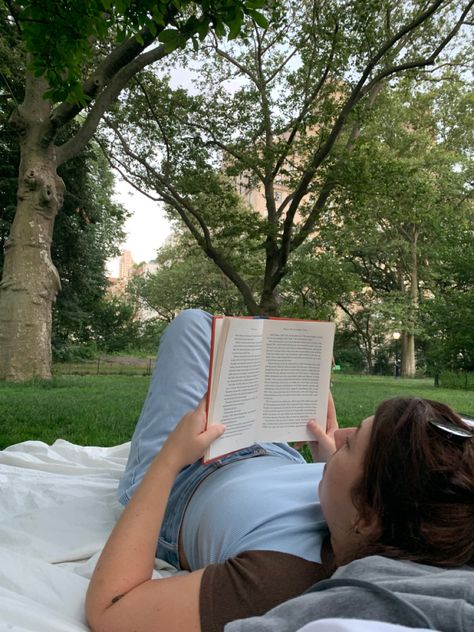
(343,433)
(318,433)
(202,403)
(212,433)
(201,412)
(331,421)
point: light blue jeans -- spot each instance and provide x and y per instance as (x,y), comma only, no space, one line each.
(178,383)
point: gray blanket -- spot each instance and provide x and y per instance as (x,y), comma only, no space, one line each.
(380,589)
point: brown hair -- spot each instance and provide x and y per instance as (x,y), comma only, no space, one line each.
(419,482)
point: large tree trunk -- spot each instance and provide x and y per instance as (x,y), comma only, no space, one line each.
(408,365)
(30,281)
(409,287)
(369,355)
(269,305)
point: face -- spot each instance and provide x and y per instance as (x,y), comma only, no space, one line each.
(340,474)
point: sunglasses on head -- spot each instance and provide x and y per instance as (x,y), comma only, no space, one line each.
(452,429)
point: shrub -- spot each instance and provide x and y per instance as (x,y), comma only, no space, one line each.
(460,380)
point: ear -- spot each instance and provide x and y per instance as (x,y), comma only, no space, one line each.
(367,527)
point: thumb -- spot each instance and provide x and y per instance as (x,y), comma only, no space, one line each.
(319,434)
(316,430)
(212,433)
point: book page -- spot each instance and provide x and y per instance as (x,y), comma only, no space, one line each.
(296,361)
(235,403)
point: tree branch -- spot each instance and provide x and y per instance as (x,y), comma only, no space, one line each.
(359,91)
(276,38)
(184,208)
(356,94)
(219,260)
(11,95)
(76,144)
(283,64)
(167,191)
(224,147)
(155,117)
(122,170)
(314,214)
(235,63)
(306,105)
(365,347)
(15,12)
(468,64)
(421,62)
(117,59)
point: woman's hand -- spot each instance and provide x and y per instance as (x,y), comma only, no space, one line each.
(324,445)
(190,439)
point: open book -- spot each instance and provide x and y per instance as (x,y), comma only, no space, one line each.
(267,379)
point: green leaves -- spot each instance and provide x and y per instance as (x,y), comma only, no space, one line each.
(402,214)
(260,19)
(170,39)
(62,36)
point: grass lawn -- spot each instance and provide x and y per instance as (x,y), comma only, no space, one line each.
(356,397)
(102,410)
(87,410)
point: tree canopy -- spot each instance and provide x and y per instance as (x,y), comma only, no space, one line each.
(64,37)
(279,113)
(405,196)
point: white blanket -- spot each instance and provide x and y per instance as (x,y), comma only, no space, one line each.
(57,508)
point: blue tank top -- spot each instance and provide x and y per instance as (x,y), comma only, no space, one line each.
(265,503)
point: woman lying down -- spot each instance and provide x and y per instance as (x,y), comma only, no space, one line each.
(261,526)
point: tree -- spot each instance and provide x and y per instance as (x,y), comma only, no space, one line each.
(278,114)
(115,327)
(81,56)
(407,195)
(186,278)
(10,85)
(87,231)
(316,281)
(448,319)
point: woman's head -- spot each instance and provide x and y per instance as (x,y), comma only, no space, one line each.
(414,498)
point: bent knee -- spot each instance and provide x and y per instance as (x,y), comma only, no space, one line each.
(192,318)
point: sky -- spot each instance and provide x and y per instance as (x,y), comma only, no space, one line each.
(146,229)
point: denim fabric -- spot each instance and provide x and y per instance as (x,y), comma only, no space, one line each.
(179,381)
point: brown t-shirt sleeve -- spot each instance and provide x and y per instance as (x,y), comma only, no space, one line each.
(252,583)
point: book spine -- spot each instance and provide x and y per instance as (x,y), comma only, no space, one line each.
(211,364)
